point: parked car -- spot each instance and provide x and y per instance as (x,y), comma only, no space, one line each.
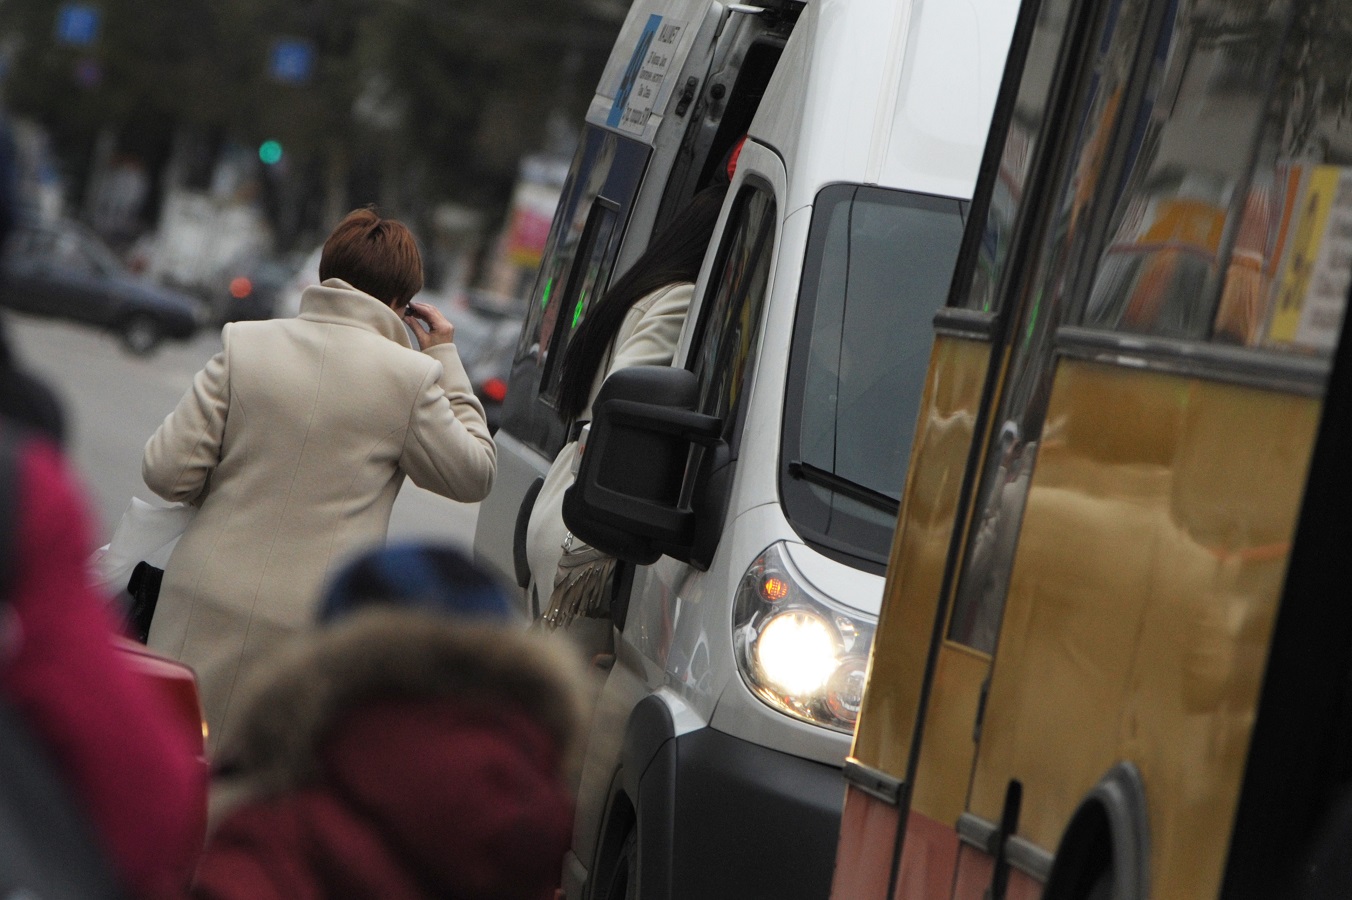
(307,273)
(249,287)
(62,270)
(486,334)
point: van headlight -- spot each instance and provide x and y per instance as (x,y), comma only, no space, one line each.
(796,649)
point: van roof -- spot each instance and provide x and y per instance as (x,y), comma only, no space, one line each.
(897,93)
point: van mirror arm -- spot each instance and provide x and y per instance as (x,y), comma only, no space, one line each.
(697,428)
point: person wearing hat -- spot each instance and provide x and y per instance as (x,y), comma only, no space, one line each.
(415,745)
(417,575)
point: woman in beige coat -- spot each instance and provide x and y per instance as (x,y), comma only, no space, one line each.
(294,441)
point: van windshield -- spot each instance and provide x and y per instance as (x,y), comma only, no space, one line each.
(878,268)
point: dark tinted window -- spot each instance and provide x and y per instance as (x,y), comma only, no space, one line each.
(583,244)
(728,331)
(879,264)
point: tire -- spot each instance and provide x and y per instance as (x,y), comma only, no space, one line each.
(622,881)
(141,334)
(1101,888)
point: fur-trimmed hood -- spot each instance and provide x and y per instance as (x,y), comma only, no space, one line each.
(294,701)
(400,755)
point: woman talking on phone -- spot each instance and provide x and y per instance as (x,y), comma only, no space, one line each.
(293,443)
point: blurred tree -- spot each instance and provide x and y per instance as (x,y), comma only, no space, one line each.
(409,102)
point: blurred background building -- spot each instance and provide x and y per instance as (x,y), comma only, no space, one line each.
(202,139)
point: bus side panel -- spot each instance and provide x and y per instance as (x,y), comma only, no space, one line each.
(1148,570)
(929,857)
(947,745)
(868,835)
(976,869)
(942,442)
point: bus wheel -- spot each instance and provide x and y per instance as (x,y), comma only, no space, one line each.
(1104,852)
(1102,886)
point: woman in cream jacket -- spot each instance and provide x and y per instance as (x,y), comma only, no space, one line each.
(294,441)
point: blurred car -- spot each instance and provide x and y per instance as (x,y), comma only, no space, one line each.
(249,287)
(62,270)
(288,298)
(486,333)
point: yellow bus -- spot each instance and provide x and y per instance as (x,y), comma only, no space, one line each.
(1113,658)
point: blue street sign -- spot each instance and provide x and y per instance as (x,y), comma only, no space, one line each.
(292,60)
(77,24)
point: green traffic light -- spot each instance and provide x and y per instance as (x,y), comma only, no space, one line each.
(270,152)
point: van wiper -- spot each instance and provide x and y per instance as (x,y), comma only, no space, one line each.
(833,482)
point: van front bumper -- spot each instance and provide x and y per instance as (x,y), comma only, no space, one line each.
(720,817)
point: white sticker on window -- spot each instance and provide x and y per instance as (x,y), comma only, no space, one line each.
(642,81)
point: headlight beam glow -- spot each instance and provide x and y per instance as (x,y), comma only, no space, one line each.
(797,651)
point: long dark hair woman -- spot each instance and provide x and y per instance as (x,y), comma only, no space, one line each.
(636,322)
(673,256)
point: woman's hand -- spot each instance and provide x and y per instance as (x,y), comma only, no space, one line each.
(429,326)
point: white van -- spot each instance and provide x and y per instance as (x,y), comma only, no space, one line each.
(752,487)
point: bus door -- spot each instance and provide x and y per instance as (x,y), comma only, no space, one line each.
(1103,584)
(966,365)
(1129,529)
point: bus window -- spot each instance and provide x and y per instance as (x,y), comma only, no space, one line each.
(595,155)
(1287,278)
(1185,185)
(1028,121)
(999,504)
(594,205)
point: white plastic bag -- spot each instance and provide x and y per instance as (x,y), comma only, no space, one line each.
(145,532)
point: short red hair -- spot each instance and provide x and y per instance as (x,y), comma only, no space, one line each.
(377,256)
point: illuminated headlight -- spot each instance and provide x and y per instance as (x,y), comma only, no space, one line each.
(796,649)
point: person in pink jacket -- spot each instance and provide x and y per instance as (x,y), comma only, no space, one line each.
(115,741)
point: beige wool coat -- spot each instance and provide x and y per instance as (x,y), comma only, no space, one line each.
(293,442)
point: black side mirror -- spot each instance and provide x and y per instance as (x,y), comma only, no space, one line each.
(628,499)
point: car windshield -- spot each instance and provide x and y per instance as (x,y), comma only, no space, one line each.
(878,267)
